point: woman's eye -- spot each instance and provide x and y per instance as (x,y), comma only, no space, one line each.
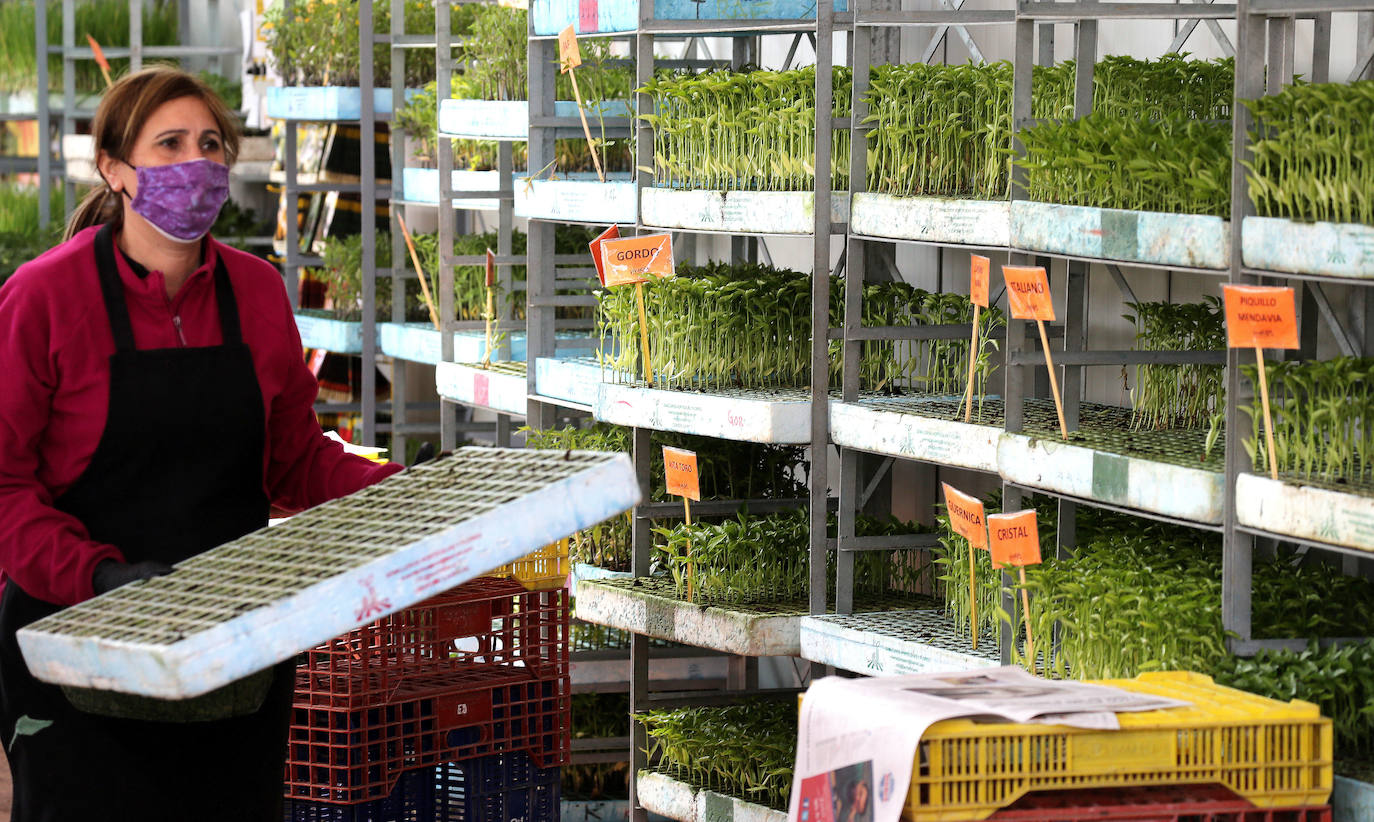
(210,145)
(171,142)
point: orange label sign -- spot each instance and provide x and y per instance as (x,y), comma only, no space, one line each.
(1260,316)
(569,55)
(491,268)
(595,245)
(635,259)
(681,468)
(966,516)
(1028,292)
(1014,539)
(98,53)
(978,280)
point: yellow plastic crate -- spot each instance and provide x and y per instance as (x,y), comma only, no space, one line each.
(540,571)
(1272,753)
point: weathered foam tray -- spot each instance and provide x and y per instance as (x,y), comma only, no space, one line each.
(510,119)
(1351,800)
(984,223)
(781,416)
(324,103)
(500,387)
(339,336)
(755,212)
(615,604)
(1045,462)
(894,642)
(682,669)
(1305,511)
(1185,240)
(421,185)
(574,380)
(599,16)
(1332,249)
(578,198)
(273,593)
(585,572)
(679,801)
(420,342)
(892,426)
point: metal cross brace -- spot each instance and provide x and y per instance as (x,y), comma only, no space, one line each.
(975,54)
(1212,25)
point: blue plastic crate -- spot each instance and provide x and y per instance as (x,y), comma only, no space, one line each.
(499,788)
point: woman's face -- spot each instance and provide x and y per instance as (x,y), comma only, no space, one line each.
(861,796)
(178,131)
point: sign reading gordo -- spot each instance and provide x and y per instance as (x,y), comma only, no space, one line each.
(630,260)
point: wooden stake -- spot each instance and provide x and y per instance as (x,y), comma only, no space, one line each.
(644,334)
(491,317)
(420,271)
(691,576)
(577,96)
(1025,609)
(1268,421)
(1054,380)
(968,392)
(973,591)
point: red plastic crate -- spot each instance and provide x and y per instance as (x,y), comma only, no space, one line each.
(489,622)
(1159,803)
(351,755)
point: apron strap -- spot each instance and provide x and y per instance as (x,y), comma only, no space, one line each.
(118,310)
(112,289)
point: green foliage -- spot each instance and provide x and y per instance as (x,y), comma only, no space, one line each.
(20,238)
(419,118)
(598,716)
(1339,680)
(1314,153)
(1178,396)
(1123,86)
(747,325)
(743,130)
(228,89)
(318,45)
(342,275)
(744,750)
(105,20)
(764,559)
(1322,412)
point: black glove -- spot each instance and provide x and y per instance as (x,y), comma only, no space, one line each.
(424,453)
(109,574)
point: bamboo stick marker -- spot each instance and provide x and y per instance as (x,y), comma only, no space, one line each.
(973,596)
(100,60)
(569,58)
(1025,610)
(420,271)
(1268,420)
(586,130)
(491,307)
(968,391)
(691,566)
(644,334)
(1054,380)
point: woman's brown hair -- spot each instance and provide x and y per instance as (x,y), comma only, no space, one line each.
(123,110)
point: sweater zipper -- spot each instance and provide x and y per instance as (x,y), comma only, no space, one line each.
(176,321)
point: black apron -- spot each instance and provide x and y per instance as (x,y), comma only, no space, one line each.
(178,471)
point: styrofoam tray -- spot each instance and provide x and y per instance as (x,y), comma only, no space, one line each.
(1305,511)
(271,594)
(677,800)
(510,119)
(339,336)
(574,379)
(932,219)
(326,103)
(1192,494)
(593,16)
(892,426)
(579,198)
(781,416)
(421,185)
(1332,249)
(1185,240)
(501,387)
(890,643)
(756,212)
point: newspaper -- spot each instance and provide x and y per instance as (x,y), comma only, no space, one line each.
(858,737)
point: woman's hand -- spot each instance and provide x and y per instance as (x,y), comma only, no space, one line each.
(110,574)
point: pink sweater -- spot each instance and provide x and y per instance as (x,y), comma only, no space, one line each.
(55,346)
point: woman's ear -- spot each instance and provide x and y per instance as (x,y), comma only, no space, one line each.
(108,166)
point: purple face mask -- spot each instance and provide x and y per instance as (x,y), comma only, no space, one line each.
(181,200)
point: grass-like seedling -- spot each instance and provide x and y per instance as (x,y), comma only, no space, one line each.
(749,326)
(1322,411)
(1314,153)
(743,130)
(746,750)
(20,238)
(105,20)
(1178,396)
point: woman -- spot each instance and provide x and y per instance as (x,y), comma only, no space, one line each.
(154,404)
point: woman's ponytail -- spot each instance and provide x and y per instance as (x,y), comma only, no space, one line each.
(98,207)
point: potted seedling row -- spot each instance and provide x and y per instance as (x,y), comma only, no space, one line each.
(1324,450)
(315,48)
(734,151)
(338,326)
(1310,181)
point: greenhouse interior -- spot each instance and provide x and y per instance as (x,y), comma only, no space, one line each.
(692,410)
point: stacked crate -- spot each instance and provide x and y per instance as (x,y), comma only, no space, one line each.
(455,710)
